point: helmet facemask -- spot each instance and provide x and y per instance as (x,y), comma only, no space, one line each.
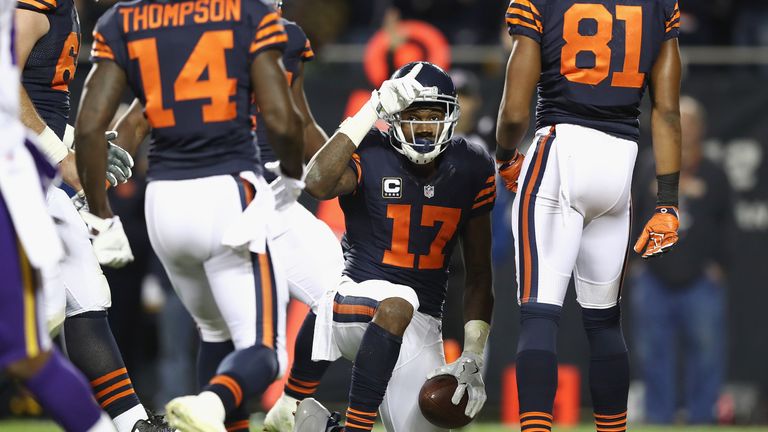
(415,145)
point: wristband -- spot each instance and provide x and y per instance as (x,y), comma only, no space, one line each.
(667,189)
(69,137)
(357,126)
(51,145)
(476,335)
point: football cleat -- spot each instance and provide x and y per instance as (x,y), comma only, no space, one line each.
(311,416)
(280,417)
(200,413)
(155,423)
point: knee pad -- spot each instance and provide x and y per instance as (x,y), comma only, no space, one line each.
(538,327)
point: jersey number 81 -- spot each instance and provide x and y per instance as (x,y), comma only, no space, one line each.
(629,76)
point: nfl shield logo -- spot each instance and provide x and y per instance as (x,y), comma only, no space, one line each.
(429,191)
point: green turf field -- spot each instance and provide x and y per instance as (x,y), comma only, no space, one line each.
(44,426)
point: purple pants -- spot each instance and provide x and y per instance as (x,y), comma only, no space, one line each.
(21,334)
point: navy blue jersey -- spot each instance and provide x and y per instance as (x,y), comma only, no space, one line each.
(296,52)
(596,57)
(52,62)
(189,62)
(402,228)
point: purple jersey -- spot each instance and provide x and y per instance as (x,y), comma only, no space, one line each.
(596,57)
(401,228)
(189,64)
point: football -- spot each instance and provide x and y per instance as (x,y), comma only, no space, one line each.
(436,406)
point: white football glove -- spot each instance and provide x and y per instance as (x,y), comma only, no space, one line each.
(396,94)
(109,240)
(79,201)
(467,370)
(285,189)
(119,161)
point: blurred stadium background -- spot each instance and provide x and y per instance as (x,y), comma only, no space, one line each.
(358,44)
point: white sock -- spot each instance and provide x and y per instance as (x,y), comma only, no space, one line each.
(125,421)
(216,405)
(103,424)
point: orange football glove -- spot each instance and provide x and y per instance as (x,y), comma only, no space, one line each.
(660,233)
(510,170)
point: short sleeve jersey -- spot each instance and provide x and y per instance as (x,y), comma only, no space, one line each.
(189,62)
(52,62)
(297,51)
(402,228)
(596,57)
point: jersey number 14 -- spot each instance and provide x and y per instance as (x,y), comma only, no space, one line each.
(575,42)
(209,53)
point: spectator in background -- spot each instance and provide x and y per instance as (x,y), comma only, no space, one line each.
(679,302)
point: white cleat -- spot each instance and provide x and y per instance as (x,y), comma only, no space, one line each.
(280,417)
(200,413)
(311,416)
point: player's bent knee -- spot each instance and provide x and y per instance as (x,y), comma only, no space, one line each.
(394,314)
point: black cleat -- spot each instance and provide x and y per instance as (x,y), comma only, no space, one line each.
(155,423)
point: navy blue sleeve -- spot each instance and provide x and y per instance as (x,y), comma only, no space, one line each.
(108,40)
(524,18)
(671,19)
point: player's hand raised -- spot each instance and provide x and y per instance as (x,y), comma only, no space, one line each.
(468,373)
(395,95)
(119,161)
(660,233)
(510,170)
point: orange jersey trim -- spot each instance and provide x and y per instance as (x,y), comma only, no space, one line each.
(488,200)
(266,31)
(276,39)
(528,4)
(486,191)
(40,5)
(518,21)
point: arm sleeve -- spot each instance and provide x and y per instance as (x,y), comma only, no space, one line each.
(671,19)
(523,18)
(108,41)
(485,196)
(270,34)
